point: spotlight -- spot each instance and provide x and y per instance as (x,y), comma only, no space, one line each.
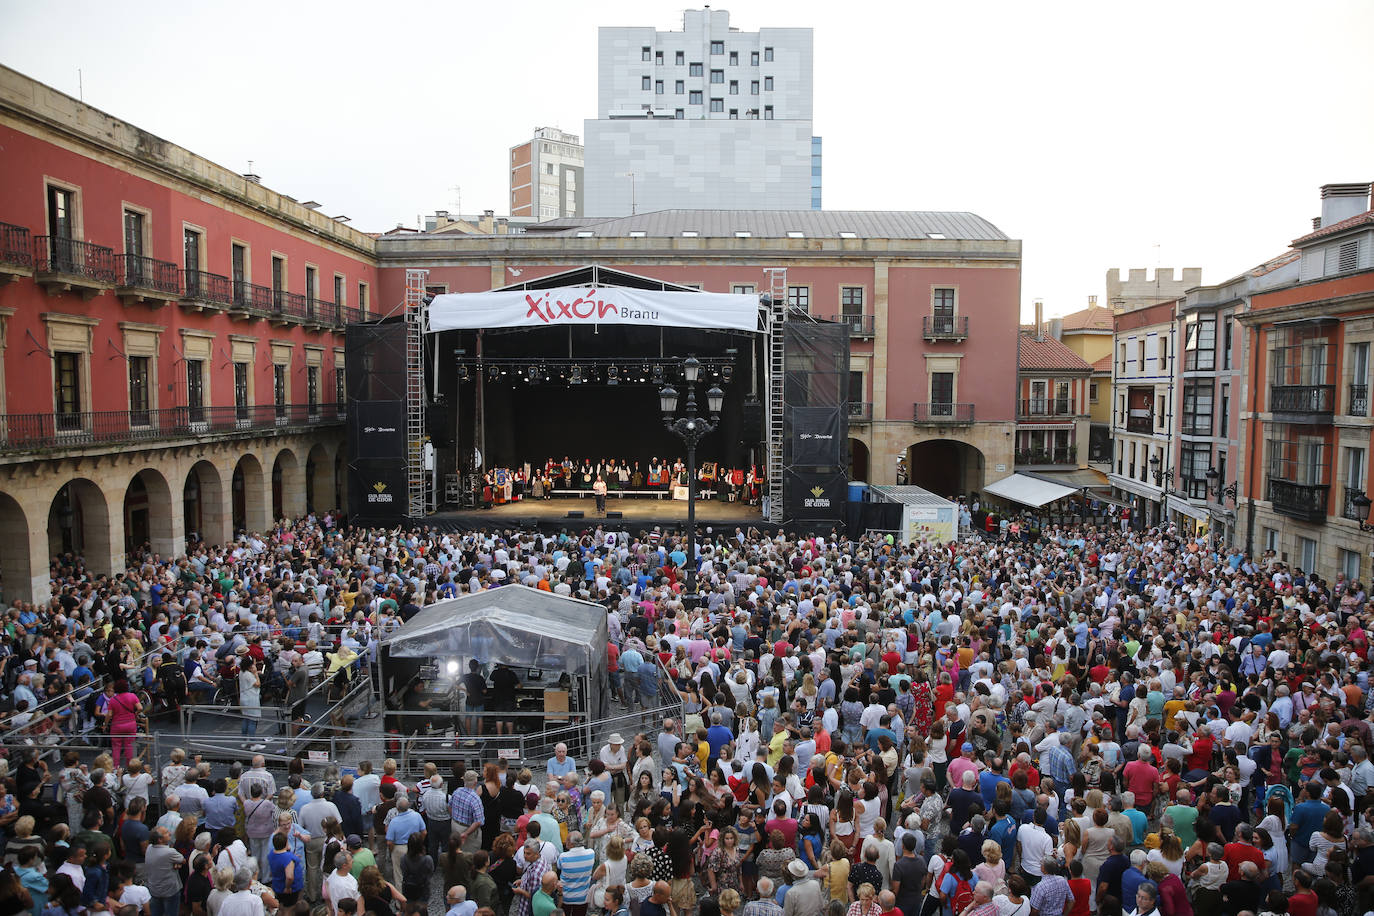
(612,375)
(656,374)
(463,372)
(493,372)
(532,375)
(575,375)
(645,370)
(727,372)
(452,666)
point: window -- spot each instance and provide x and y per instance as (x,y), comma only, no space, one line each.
(278,281)
(1197,408)
(767,54)
(734,114)
(190,246)
(238,257)
(1122,358)
(133,233)
(941,391)
(851,300)
(338,291)
(195,390)
(689,234)
(548,168)
(1163,353)
(743,289)
(1359,380)
(734,87)
(795,234)
(679,114)
(695,69)
(1271,539)
(312,389)
(1348,257)
(1140,355)
(1038,404)
(1225,412)
(138,391)
(679,87)
(1307,554)
(1092,392)
(718,76)
(717,104)
(362,298)
(679,57)
(942,302)
(67,392)
(658,87)
(734,58)
(241,411)
(1194,461)
(717,47)
(658,58)
(753,87)
(799,297)
(1348,562)
(1200,345)
(645,83)
(340,377)
(694,97)
(856,386)
(62,229)
(768,112)
(1227,326)
(311,288)
(768,84)
(279,388)
(1354,468)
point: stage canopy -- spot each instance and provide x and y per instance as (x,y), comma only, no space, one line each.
(1028,491)
(513,625)
(597,303)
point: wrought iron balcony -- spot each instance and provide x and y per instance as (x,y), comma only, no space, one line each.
(1350,510)
(67,265)
(1049,407)
(859,325)
(119,427)
(1302,403)
(16,252)
(1140,425)
(939,413)
(147,279)
(1067,455)
(203,289)
(1359,401)
(288,307)
(944,327)
(1304,501)
(860,411)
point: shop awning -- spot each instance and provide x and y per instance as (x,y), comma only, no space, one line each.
(1028,491)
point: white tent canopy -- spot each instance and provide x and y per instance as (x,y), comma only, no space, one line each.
(1028,491)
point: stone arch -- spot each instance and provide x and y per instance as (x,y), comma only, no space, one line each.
(288,487)
(79,523)
(147,511)
(248,496)
(17,561)
(946,467)
(858,460)
(202,497)
(319,480)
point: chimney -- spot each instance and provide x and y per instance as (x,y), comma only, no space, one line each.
(1092,302)
(1039,319)
(249,176)
(1342,201)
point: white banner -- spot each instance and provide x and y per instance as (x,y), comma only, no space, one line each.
(574,305)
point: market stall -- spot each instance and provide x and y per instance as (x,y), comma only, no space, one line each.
(925,516)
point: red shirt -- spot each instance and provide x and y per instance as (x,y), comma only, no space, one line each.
(612,658)
(1032,774)
(944,694)
(1082,889)
(1236,853)
(1141,778)
(1302,904)
(1201,757)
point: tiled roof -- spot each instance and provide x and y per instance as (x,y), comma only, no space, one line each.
(1048,353)
(1093,318)
(1104,364)
(1351,223)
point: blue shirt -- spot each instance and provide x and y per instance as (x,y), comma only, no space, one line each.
(1307,820)
(404,826)
(1137,819)
(1131,879)
(561,769)
(220,811)
(575,871)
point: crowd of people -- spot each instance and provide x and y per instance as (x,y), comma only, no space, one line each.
(1086,721)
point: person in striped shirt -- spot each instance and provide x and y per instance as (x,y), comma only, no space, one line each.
(575,866)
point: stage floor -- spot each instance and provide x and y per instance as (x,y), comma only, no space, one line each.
(639,511)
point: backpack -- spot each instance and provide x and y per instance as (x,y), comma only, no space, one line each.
(963,890)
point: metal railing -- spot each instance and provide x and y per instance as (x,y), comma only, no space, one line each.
(55,254)
(140,272)
(859,325)
(1359,401)
(860,411)
(1350,510)
(207,287)
(16,247)
(1305,501)
(939,412)
(1067,455)
(1140,424)
(944,327)
(1049,407)
(111,427)
(1302,399)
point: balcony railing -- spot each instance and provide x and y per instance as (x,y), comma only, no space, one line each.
(139,272)
(1349,509)
(1359,400)
(860,411)
(115,427)
(859,325)
(1140,424)
(940,413)
(1049,407)
(1067,455)
(15,245)
(1305,501)
(206,287)
(1303,402)
(55,254)
(288,305)
(944,327)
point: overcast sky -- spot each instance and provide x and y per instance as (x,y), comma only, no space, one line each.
(1102,134)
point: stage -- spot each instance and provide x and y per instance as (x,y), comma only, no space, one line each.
(637,512)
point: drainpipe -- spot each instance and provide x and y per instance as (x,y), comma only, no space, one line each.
(1252,395)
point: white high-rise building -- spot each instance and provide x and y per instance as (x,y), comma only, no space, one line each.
(546,175)
(706,118)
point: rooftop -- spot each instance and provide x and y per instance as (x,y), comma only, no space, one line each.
(1104,364)
(1040,353)
(782,224)
(1353,222)
(1092,318)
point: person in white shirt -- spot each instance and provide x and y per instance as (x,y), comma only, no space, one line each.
(1034,844)
(338,884)
(242,902)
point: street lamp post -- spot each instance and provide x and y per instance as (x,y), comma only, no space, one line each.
(690,428)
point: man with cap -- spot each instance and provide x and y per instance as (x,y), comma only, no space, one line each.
(805,897)
(362,856)
(617,765)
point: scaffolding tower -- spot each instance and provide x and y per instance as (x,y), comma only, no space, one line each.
(777,314)
(417,479)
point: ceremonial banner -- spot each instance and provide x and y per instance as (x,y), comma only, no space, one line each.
(581,305)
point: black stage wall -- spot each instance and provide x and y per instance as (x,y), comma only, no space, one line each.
(375,383)
(815,422)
